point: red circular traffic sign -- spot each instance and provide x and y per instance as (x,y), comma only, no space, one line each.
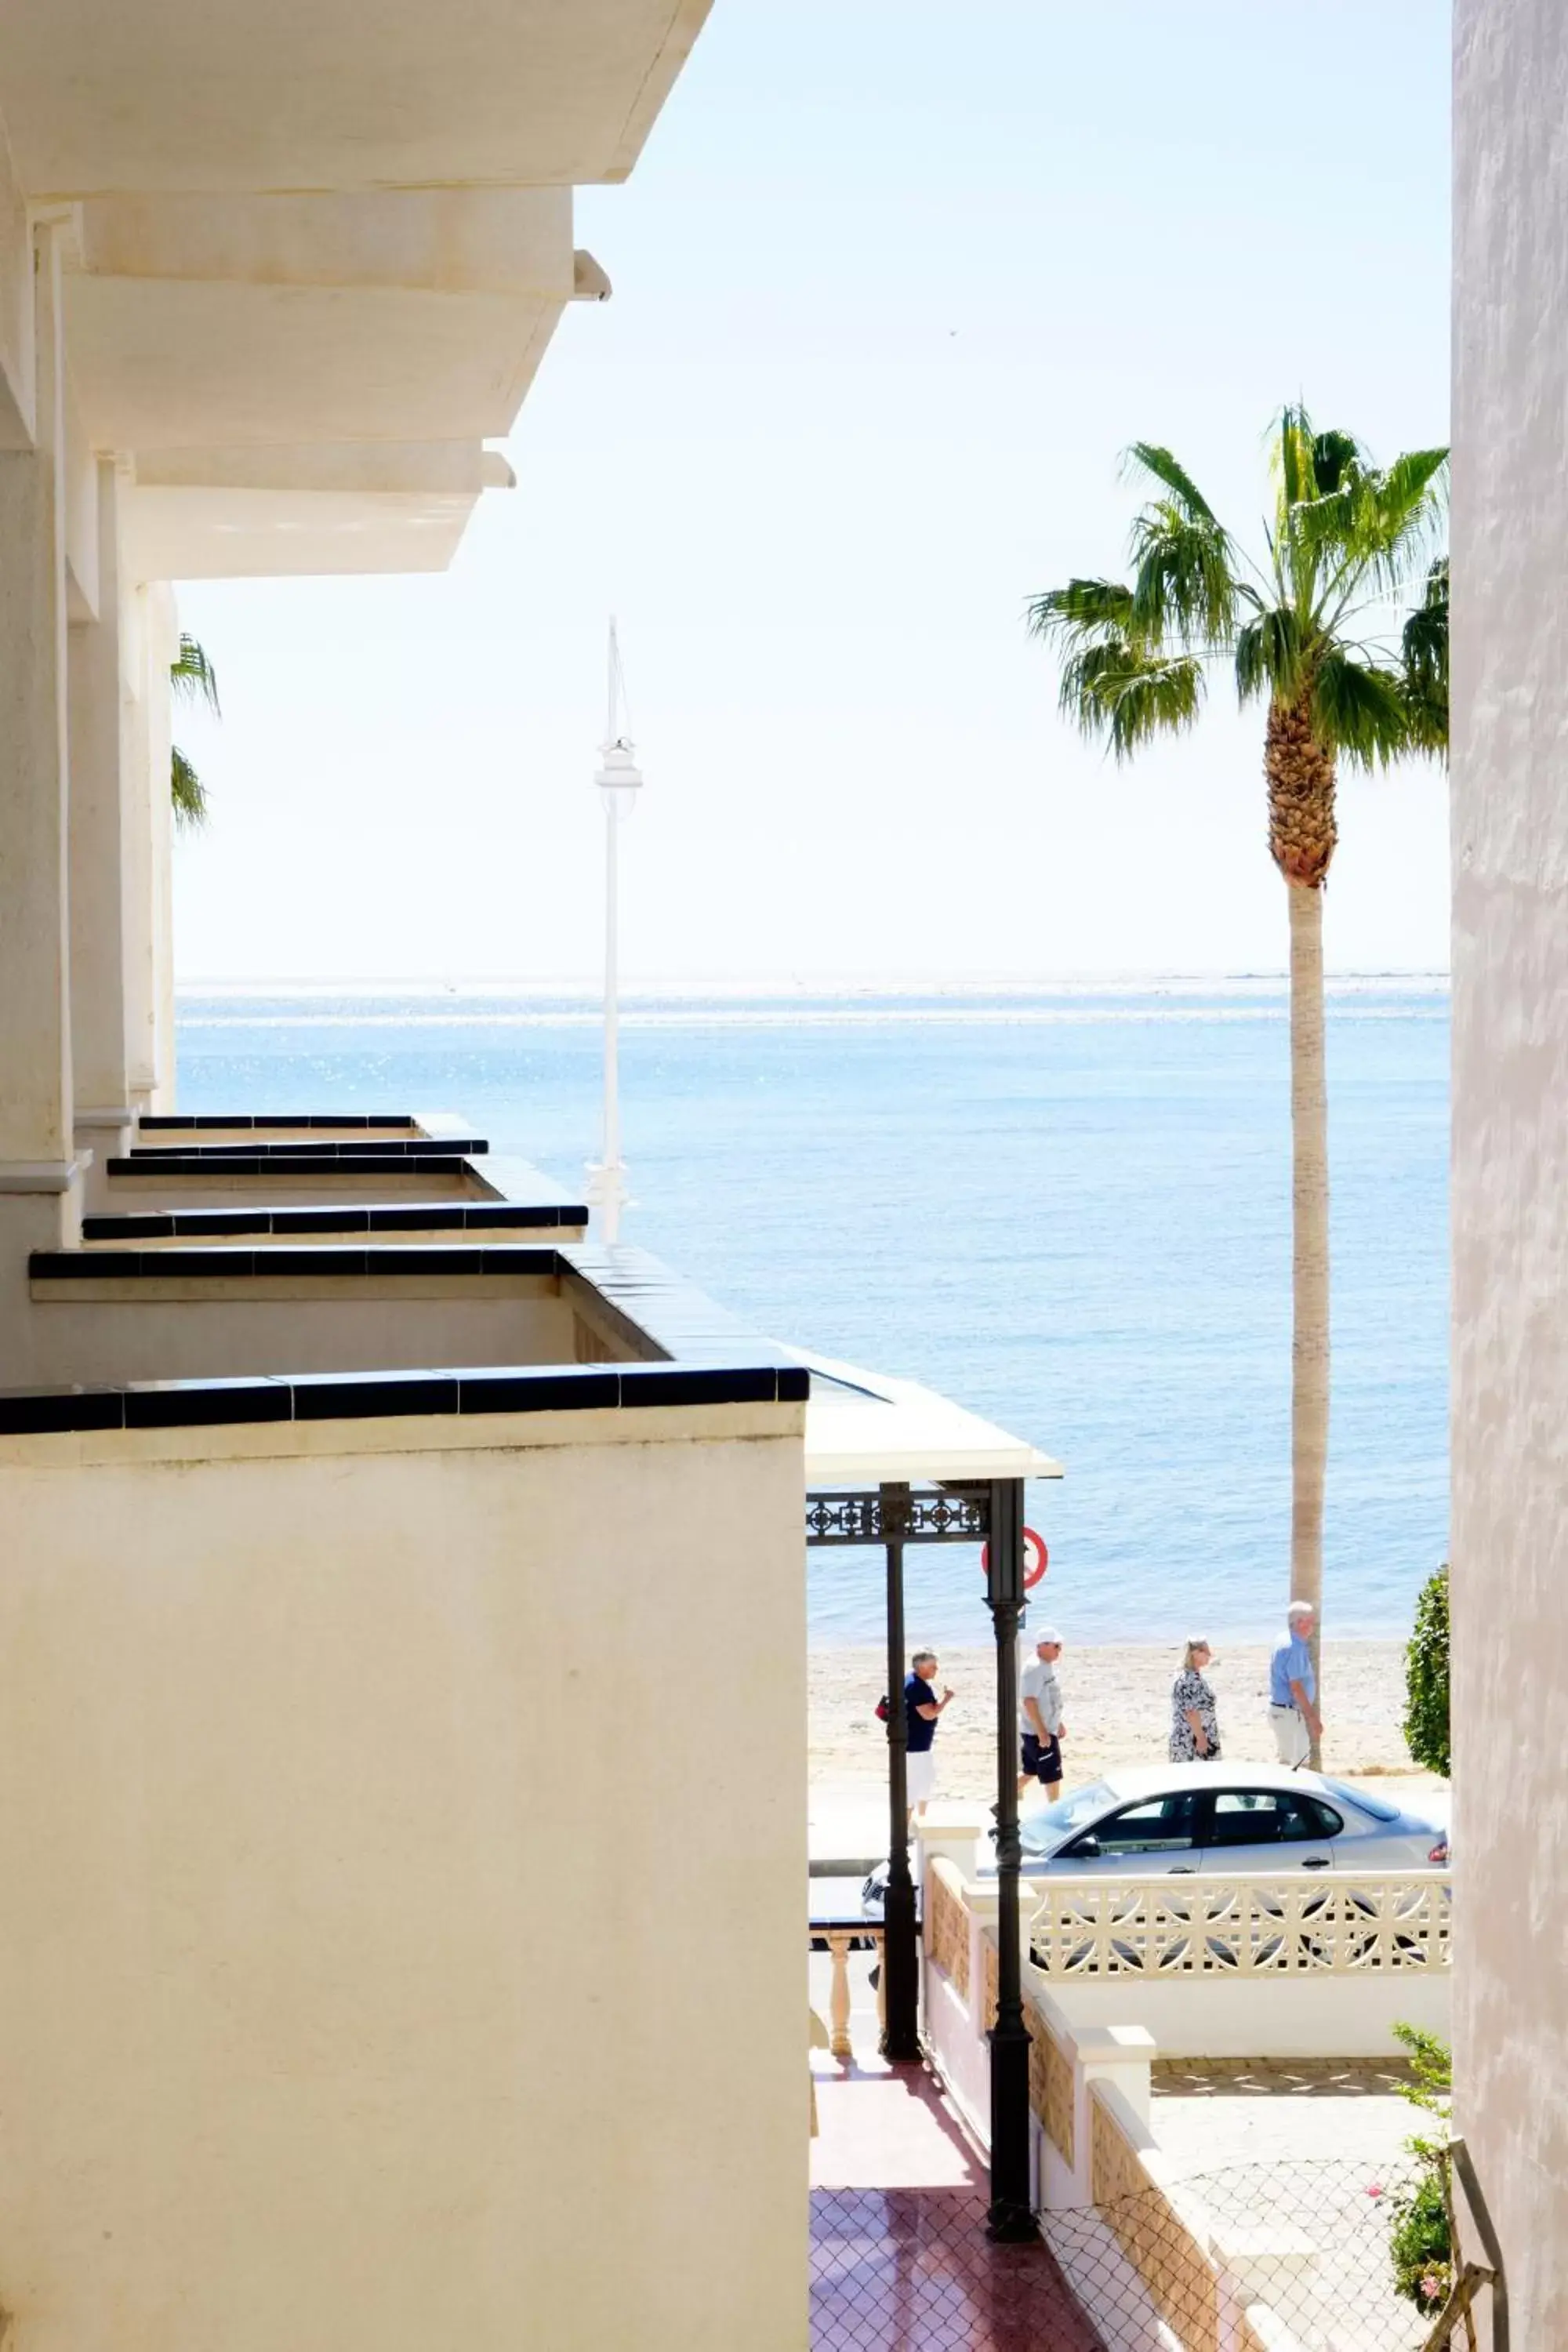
(1037,1559)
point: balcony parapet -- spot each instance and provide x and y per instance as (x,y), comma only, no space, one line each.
(353,1396)
(336,1219)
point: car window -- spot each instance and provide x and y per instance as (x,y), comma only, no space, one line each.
(1326,1822)
(1270,1817)
(1042,1832)
(1378,1807)
(1157,1825)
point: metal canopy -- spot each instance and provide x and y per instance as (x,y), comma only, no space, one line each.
(891,1463)
(865,1429)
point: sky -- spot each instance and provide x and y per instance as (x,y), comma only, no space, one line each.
(894,286)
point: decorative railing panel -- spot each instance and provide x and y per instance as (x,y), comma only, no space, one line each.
(1241,1926)
(947,1924)
(993,1982)
(1050,2084)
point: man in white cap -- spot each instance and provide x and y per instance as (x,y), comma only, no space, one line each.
(1042,1726)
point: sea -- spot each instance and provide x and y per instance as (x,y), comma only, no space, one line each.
(1067,1207)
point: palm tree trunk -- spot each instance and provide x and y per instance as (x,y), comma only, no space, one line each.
(1309,1261)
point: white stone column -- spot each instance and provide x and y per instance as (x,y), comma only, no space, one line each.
(163,645)
(39,1181)
(137,911)
(98,731)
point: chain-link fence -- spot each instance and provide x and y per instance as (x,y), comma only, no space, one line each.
(1297,2254)
(912,2270)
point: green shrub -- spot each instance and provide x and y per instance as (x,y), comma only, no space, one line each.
(1421,2246)
(1427,1677)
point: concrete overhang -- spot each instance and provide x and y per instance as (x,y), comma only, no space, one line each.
(225,96)
(282,321)
(228,513)
(862,1428)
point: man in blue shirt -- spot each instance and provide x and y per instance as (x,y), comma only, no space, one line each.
(923,1713)
(1293,1688)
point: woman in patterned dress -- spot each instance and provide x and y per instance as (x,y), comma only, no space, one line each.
(1194,1727)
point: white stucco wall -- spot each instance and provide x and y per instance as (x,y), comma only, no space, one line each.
(1510,1135)
(317,1185)
(403,1855)
(144,1331)
(1326,2016)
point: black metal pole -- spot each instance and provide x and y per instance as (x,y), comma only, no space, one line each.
(900,1962)
(1011,2218)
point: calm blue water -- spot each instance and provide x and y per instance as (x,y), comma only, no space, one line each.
(1068,1209)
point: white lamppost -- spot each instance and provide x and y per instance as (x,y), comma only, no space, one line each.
(619,781)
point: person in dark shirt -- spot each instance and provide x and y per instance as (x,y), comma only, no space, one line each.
(923,1713)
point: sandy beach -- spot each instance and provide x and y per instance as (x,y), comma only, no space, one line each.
(1116,1702)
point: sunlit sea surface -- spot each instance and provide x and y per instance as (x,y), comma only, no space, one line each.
(1067,1208)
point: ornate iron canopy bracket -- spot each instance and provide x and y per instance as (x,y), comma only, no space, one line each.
(946,1515)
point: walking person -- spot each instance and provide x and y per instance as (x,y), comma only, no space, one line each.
(1041,1698)
(1195,1724)
(922,1712)
(1293,1688)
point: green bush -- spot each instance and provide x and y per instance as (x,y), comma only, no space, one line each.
(1427,1677)
(1421,2246)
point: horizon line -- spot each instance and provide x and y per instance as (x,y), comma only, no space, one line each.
(576,985)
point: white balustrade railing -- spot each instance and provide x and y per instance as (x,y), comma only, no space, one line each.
(1240,1927)
(841,1941)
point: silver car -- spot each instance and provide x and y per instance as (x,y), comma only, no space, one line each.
(1143,1820)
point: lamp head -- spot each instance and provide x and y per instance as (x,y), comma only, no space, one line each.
(618,776)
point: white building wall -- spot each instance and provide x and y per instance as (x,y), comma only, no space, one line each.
(1510,1135)
(403,1855)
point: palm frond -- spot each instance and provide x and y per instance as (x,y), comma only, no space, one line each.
(1359,710)
(193,677)
(1081,608)
(1270,656)
(1423,649)
(1184,585)
(1336,457)
(1425,640)
(1147,458)
(1114,691)
(1378,527)
(1291,459)
(188,793)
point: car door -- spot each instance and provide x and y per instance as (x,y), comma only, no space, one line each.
(1149,1838)
(1268,1829)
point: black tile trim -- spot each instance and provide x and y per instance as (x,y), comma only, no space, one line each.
(262,1164)
(27,1413)
(559,1389)
(433,1216)
(372,1396)
(361,1396)
(665,1385)
(321,1262)
(192,1405)
(385,1147)
(173,1122)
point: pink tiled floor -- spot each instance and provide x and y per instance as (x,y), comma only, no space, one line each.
(900,2258)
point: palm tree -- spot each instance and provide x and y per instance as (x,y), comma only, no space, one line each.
(193,679)
(1349,542)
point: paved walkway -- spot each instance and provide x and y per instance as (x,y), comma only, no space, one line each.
(900,2258)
